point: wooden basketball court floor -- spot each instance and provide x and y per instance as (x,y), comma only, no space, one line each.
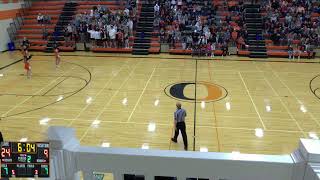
(122,101)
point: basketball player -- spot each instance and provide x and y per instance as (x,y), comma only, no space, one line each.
(26,44)
(57,55)
(27,67)
(26,61)
(25,53)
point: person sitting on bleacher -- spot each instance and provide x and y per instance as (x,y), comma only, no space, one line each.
(40,18)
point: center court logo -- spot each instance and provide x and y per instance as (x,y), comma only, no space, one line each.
(208,91)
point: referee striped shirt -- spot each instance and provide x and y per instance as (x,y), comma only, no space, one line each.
(179,115)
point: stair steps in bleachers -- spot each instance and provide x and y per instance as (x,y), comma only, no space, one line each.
(144,30)
(254,24)
(65,18)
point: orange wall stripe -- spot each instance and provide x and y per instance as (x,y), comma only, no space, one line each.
(8,14)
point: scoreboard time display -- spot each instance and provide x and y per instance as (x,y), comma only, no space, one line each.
(25,159)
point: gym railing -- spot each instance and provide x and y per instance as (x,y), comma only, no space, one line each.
(69,159)
(17,22)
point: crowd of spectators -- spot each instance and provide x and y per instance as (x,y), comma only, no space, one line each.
(201,26)
(103,27)
(197,25)
(289,20)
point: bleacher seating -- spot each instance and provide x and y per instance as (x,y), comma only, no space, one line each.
(222,10)
(280,49)
(32,30)
(217,8)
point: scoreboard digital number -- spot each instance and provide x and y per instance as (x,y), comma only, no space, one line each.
(25,159)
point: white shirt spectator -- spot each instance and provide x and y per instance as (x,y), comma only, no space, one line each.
(91,32)
(179,2)
(213,46)
(112,33)
(130,24)
(69,28)
(273,18)
(40,17)
(97,35)
(107,27)
(156,8)
(207,34)
(91,12)
(126,12)
(198,26)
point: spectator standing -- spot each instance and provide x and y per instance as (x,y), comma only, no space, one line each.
(112,35)
(156,9)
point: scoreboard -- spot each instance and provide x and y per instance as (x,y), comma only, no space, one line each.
(25,159)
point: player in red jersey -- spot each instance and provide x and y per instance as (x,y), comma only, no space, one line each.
(27,67)
(26,61)
(57,55)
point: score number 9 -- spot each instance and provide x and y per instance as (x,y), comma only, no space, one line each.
(46,153)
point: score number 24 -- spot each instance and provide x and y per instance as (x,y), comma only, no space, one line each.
(5,152)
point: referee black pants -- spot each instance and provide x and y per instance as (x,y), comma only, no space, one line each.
(182,127)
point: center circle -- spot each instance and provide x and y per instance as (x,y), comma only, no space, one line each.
(206,91)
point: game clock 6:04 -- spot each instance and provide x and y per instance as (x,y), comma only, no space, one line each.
(25,159)
(22,147)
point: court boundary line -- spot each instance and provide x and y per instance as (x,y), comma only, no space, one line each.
(96,95)
(254,105)
(55,86)
(188,58)
(214,110)
(8,65)
(297,99)
(108,103)
(29,97)
(195,105)
(47,105)
(163,124)
(281,101)
(144,89)
(117,91)
(34,95)
(310,86)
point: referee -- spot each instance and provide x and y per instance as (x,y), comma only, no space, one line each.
(179,124)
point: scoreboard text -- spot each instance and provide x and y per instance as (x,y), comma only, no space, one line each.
(25,159)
